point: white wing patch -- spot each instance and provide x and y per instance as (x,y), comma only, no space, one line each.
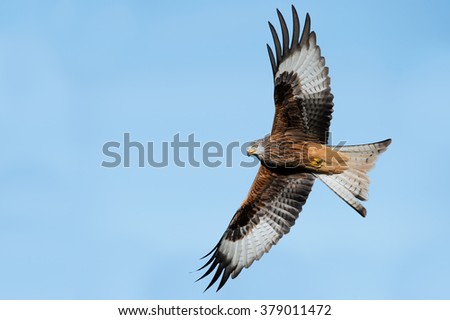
(309,65)
(243,252)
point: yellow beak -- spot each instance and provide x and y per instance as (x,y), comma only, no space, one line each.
(251,151)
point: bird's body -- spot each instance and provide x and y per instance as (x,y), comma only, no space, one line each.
(292,156)
(293,153)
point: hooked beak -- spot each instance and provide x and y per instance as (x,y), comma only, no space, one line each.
(251,151)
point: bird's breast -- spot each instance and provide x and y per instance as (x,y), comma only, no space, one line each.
(303,155)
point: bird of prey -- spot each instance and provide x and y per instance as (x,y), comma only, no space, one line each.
(292,156)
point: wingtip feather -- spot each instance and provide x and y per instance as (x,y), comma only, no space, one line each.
(284,33)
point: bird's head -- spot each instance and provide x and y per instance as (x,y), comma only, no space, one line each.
(256,148)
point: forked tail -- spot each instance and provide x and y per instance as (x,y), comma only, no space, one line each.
(353,184)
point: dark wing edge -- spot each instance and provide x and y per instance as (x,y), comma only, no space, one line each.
(270,210)
(303,98)
(283,51)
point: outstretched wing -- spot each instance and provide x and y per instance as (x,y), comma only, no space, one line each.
(270,210)
(303,98)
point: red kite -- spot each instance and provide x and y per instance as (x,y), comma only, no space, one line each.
(292,156)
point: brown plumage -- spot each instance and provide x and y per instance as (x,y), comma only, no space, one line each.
(295,153)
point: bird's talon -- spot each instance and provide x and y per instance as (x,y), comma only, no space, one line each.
(316,162)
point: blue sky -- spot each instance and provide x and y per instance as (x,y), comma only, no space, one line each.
(77,74)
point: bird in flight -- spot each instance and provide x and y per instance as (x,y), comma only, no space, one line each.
(292,156)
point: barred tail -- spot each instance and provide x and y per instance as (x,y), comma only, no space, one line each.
(353,184)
